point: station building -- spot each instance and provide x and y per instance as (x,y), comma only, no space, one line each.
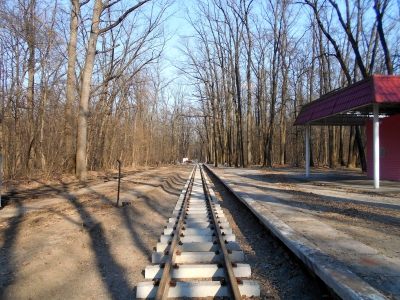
(373,102)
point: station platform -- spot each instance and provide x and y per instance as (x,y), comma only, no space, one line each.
(352,267)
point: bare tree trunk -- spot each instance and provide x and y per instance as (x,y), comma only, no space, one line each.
(81,172)
(274,87)
(248,76)
(352,158)
(99,7)
(41,127)
(380,11)
(361,151)
(312,164)
(29,20)
(284,96)
(239,107)
(264,126)
(311,87)
(69,132)
(332,150)
(341,146)
(282,153)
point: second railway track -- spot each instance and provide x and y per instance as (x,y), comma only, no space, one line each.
(197,255)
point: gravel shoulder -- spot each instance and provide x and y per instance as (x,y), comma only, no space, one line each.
(279,273)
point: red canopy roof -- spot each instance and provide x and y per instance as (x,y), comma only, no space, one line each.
(353,105)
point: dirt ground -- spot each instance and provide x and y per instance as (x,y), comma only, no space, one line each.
(82,246)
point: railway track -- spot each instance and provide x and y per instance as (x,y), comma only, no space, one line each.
(197,255)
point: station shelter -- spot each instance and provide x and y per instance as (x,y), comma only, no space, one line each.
(373,102)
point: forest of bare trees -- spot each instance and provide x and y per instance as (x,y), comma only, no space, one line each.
(255,63)
(86,82)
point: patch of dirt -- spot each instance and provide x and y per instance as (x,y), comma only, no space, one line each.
(83,247)
(17,191)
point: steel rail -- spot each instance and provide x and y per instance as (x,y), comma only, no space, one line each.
(227,264)
(163,285)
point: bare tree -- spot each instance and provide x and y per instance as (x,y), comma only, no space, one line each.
(71,86)
(98,9)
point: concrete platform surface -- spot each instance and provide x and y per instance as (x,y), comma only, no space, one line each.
(353,267)
(350,179)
